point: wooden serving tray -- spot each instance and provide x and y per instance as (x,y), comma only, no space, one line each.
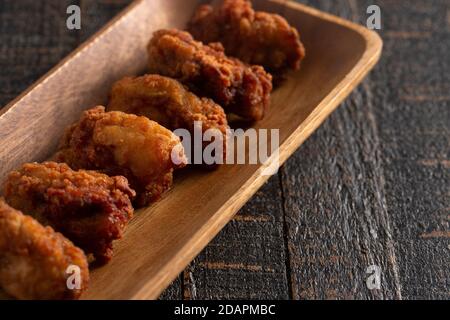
(164,238)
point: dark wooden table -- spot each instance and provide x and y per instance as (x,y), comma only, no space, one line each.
(370,187)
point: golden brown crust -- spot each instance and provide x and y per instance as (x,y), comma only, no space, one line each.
(117,143)
(254,37)
(168,102)
(34,260)
(90,208)
(237,87)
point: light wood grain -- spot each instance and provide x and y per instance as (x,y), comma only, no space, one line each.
(164,238)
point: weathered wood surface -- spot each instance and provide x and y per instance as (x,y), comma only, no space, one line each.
(371,186)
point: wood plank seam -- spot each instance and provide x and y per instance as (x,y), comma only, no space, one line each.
(354,8)
(381,192)
(289,274)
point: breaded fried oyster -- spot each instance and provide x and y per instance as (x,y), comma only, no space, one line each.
(206,70)
(117,143)
(254,37)
(168,102)
(90,208)
(36,262)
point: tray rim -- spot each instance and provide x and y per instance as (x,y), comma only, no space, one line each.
(202,236)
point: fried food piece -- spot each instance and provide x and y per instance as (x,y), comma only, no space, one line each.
(254,37)
(90,208)
(117,143)
(34,259)
(169,103)
(206,70)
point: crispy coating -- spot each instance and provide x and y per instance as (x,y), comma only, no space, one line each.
(117,143)
(90,208)
(168,102)
(254,37)
(35,260)
(239,88)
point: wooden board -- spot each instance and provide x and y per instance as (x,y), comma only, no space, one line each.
(370,186)
(162,239)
